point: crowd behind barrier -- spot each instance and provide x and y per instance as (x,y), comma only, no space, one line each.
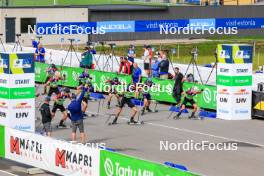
(71,67)
(58,56)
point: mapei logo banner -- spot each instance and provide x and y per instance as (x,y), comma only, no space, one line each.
(56,156)
(24,147)
(74,159)
(71,161)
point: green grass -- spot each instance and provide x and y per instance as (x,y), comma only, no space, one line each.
(75,2)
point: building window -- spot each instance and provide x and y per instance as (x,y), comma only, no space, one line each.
(25,22)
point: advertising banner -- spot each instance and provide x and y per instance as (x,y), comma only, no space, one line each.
(234,81)
(4,80)
(240,23)
(154,25)
(4,63)
(56,156)
(64,28)
(207,99)
(22,80)
(239,70)
(21,63)
(60,28)
(234,102)
(4,106)
(21,112)
(202,23)
(17,86)
(114,164)
(117,26)
(2,141)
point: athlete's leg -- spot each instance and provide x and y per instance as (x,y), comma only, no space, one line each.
(194,110)
(110,95)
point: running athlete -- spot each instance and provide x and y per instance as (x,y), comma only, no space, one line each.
(59,104)
(189,95)
(53,83)
(146,96)
(112,91)
(86,97)
(51,70)
(84,78)
(126,97)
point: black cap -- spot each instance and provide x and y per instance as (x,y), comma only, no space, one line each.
(47,98)
(67,90)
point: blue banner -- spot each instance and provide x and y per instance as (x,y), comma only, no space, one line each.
(241,23)
(154,25)
(117,26)
(59,28)
(205,23)
(103,27)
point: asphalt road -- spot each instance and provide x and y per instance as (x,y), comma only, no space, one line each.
(144,141)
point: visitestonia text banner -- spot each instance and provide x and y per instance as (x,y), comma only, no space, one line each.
(102,27)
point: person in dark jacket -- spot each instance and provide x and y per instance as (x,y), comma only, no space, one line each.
(178,89)
(76,115)
(46,116)
(164,65)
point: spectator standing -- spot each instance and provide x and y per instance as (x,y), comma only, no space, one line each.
(131,54)
(146,59)
(125,66)
(46,116)
(178,89)
(137,74)
(76,115)
(87,58)
(164,65)
(40,53)
(34,43)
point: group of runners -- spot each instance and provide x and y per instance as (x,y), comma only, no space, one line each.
(124,97)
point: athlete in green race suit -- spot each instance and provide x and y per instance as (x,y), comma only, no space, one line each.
(189,95)
(126,97)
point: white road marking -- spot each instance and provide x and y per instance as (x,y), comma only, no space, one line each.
(8,173)
(200,133)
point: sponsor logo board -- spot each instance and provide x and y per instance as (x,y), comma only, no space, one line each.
(52,155)
(22,80)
